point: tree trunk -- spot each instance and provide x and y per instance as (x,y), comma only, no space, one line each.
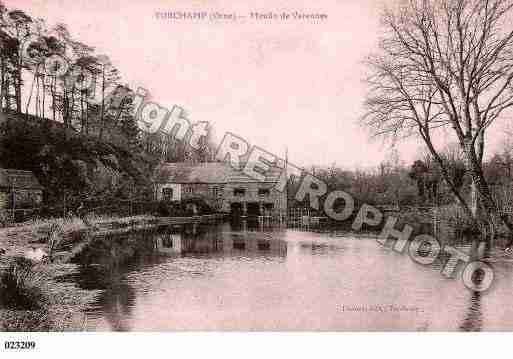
(53,89)
(6,94)
(475,204)
(491,215)
(17,92)
(30,95)
(72,106)
(447,178)
(82,116)
(87,118)
(38,100)
(2,84)
(17,89)
(44,95)
(102,110)
(65,107)
(474,200)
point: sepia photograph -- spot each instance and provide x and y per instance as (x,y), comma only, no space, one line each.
(286,166)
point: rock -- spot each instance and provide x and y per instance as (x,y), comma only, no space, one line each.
(35,254)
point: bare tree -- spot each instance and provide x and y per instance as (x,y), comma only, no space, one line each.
(20,23)
(445,64)
(109,77)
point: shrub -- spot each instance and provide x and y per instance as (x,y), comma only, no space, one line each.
(20,286)
(182,208)
(202,206)
(4,218)
(420,221)
(25,321)
(456,218)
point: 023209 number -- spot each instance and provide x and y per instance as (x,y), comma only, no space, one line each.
(19,345)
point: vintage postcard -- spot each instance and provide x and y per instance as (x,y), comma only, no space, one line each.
(221,166)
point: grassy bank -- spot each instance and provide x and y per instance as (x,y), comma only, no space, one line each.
(448,223)
(452,226)
(37,253)
(32,298)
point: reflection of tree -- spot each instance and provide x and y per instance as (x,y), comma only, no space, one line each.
(117,302)
(474,318)
(118,296)
(103,266)
(106,261)
(473,321)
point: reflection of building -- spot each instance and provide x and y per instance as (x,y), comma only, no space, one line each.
(221,186)
(170,243)
(19,188)
(220,240)
(253,244)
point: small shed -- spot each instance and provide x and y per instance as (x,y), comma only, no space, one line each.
(19,188)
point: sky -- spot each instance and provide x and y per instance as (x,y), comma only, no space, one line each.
(279,84)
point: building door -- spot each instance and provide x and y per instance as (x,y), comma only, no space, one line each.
(268,209)
(167,194)
(236,209)
(253,209)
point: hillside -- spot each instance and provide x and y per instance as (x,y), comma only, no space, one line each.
(71,163)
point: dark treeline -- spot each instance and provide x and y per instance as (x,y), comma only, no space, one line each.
(399,184)
(67,115)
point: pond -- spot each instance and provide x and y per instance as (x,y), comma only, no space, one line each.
(235,277)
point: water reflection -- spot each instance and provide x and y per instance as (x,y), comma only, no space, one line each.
(105,264)
(474,317)
(223,240)
(103,267)
(247,276)
(117,303)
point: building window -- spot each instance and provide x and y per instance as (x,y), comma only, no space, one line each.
(264,192)
(216,192)
(189,189)
(239,192)
(167,194)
